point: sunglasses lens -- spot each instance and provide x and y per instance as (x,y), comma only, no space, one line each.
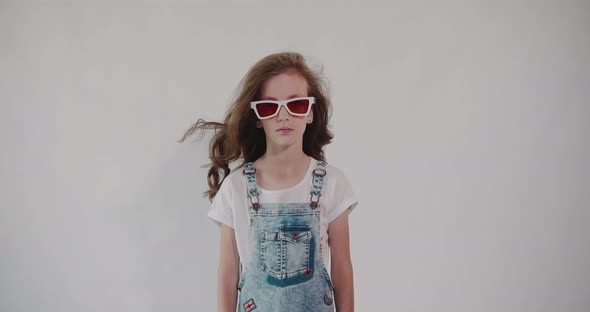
(299,106)
(266,109)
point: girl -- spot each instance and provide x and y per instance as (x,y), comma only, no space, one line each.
(284,208)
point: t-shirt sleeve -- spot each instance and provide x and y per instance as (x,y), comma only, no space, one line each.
(221,209)
(343,196)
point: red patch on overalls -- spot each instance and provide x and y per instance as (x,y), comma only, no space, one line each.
(249,305)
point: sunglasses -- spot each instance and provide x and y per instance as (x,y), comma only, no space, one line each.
(300,106)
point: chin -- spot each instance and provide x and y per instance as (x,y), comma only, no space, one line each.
(284,141)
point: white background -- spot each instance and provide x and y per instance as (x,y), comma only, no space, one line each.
(463,126)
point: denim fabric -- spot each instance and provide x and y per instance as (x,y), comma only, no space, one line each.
(285,271)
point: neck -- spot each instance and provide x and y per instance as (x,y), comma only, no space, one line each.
(285,159)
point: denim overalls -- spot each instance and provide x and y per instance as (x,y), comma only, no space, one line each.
(285,271)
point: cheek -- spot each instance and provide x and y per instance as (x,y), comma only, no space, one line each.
(302,125)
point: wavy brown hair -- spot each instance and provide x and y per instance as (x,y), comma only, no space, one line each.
(237,137)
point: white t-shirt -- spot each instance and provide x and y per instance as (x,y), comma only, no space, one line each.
(230,204)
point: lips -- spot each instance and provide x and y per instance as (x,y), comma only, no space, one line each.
(285,131)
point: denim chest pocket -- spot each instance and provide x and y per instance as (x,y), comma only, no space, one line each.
(286,253)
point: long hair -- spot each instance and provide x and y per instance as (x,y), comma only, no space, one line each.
(237,137)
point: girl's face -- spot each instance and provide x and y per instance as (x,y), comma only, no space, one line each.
(281,87)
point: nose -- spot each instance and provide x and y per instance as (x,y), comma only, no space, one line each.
(283,113)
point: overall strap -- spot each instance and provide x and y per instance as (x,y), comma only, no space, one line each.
(250,172)
(316,188)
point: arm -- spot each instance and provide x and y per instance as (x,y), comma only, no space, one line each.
(341,265)
(228,271)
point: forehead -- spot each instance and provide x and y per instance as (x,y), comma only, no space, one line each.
(284,86)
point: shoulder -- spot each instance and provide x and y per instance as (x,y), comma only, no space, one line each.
(335,176)
(340,193)
(335,182)
(235,180)
(330,168)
